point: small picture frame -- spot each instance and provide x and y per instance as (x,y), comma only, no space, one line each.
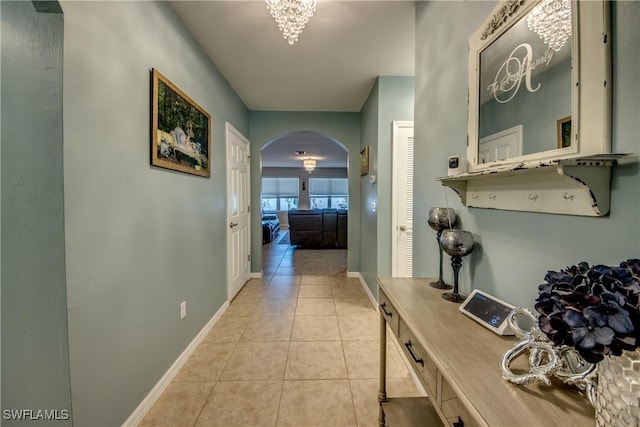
(564,132)
(180,129)
(364,161)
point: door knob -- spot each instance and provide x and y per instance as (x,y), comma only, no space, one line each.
(233,224)
(403,228)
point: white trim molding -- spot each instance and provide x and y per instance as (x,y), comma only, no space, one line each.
(372,298)
(256,275)
(139,413)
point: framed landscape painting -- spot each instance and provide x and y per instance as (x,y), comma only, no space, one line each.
(180,129)
(364,161)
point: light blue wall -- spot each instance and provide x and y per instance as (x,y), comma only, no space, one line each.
(369,193)
(391,99)
(342,127)
(35,347)
(515,249)
(139,239)
(134,232)
(396,104)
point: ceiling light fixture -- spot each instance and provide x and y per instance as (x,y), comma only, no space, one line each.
(309,165)
(291,16)
(551,20)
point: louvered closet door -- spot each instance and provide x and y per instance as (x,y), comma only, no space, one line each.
(403,199)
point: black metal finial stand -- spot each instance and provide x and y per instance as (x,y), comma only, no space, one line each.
(440,284)
(456,263)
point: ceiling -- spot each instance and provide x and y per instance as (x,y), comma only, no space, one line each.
(332,67)
(327,152)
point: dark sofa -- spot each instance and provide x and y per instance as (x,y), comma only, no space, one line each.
(270,226)
(342,228)
(319,228)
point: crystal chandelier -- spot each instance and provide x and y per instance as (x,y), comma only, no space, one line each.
(551,20)
(309,165)
(291,16)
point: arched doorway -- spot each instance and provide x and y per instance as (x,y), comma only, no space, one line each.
(343,128)
(287,185)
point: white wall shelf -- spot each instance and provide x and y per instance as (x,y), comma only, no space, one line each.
(571,186)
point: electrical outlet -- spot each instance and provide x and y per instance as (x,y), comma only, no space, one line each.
(183,310)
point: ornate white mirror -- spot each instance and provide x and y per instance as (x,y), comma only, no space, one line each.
(540,109)
(539,87)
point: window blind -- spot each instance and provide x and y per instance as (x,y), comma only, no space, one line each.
(279,187)
(328,187)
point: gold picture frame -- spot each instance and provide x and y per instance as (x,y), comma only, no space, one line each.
(180,129)
(564,132)
(364,161)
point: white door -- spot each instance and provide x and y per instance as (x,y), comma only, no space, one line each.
(501,145)
(238,212)
(402,200)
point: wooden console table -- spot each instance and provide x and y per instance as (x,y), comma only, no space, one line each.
(458,362)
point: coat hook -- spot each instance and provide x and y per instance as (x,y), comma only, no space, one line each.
(492,196)
(533,197)
(474,196)
(568,196)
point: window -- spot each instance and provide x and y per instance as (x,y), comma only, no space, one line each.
(279,194)
(329,193)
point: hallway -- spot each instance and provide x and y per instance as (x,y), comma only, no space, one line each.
(298,347)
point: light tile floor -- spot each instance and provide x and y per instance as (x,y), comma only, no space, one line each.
(298,347)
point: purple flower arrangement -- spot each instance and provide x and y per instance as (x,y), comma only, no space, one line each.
(594,309)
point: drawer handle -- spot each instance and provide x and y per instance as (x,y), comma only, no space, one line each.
(459,423)
(388,313)
(415,359)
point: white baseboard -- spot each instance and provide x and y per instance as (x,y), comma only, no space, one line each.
(353,274)
(256,275)
(372,298)
(139,413)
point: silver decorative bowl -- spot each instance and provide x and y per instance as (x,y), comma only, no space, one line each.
(441,218)
(457,242)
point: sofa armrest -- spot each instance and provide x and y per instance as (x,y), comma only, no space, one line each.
(305,227)
(329,227)
(343,217)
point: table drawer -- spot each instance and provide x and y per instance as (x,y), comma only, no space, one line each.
(451,406)
(418,358)
(390,313)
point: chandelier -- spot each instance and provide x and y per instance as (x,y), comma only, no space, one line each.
(551,20)
(309,165)
(291,16)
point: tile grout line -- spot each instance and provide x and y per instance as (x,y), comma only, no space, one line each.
(291,336)
(286,363)
(195,421)
(215,383)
